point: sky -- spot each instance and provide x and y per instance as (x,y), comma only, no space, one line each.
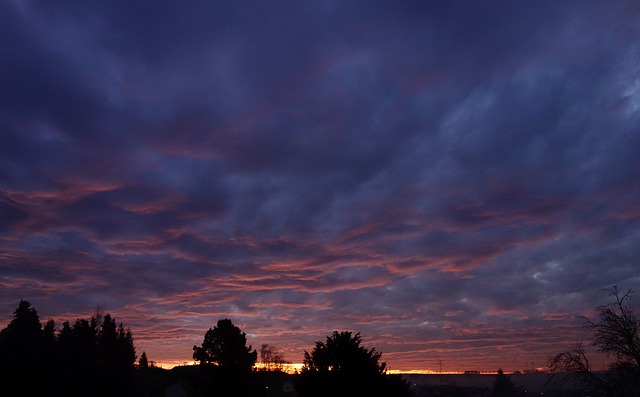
(456,180)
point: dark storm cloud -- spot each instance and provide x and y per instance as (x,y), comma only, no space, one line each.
(452,179)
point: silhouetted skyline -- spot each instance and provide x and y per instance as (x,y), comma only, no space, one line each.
(455,180)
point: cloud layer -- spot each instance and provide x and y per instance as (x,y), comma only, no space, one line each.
(456,181)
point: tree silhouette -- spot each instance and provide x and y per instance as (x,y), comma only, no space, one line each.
(617,334)
(22,354)
(143,362)
(225,346)
(36,360)
(226,362)
(115,353)
(271,358)
(49,332)
(23,337)
(25,324)
(106,341)
(503,386)
(49,344)
(342,367)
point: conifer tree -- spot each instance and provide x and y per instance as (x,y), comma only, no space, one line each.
(22,356)
(143,362)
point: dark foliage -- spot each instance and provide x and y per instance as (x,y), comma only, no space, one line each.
(504,387)
(92,357)
(143,362)
(342,367)
(225,345)
(617,333)
(272,358)
(616,330)
(226,362)
(22,353)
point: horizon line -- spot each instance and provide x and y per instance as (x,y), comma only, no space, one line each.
(292,368)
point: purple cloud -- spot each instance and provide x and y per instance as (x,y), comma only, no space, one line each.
(456,181)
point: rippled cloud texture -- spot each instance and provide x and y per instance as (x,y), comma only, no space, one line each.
(455,180)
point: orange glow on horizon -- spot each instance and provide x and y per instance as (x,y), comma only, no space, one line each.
(293,368)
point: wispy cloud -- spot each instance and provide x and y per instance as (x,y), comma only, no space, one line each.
(456,181)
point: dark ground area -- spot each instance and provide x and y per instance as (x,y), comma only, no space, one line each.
(186,381)
(472,385)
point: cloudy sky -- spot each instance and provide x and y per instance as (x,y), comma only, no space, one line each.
(456,180)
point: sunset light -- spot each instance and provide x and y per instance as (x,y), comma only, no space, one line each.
(456,183)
